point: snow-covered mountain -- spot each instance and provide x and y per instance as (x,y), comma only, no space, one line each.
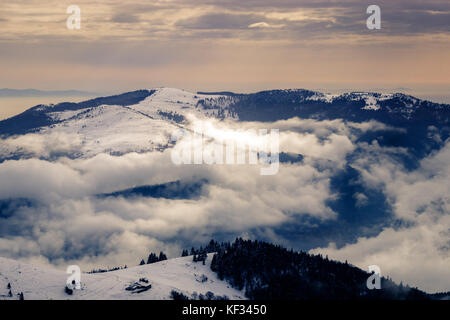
(397,109)
(139,121)
(142,121)
(180,274)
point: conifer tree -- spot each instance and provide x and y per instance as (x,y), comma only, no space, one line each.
(162,256)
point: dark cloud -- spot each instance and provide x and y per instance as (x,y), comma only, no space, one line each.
(125,18)
(280,5)
(221,21)
(399,17)
(288,5)
(322,19)
(416,21)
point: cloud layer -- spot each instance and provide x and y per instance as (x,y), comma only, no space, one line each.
(236,200)
(418,251)
(52,216)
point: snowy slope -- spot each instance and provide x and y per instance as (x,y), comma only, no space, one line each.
(179,274)
(116,129)
(147,125)
(184,103)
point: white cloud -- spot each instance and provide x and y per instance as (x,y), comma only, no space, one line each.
(41,145)
(418,254)
(361,199)
(67,224)
(263,25)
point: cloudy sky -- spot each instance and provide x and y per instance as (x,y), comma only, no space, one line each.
(226,44)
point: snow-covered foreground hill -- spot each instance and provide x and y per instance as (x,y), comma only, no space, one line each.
(180,274)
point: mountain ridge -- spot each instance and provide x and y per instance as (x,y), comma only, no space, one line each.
(140,121)
(7,92)
(268,105)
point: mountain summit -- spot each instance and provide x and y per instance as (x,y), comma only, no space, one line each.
(140,121)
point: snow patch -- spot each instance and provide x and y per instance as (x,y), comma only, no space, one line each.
(180,274)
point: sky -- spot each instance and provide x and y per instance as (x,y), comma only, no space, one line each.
(227,45)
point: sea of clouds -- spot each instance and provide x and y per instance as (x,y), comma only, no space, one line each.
(63,221)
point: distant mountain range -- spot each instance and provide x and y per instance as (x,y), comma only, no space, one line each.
(144,109)
(271,105)
(5,92)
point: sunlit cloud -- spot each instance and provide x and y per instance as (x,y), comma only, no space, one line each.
(265,25)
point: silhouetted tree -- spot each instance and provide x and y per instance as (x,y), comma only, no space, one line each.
(270,272)
(162,256)
(175,295)
(152,258)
